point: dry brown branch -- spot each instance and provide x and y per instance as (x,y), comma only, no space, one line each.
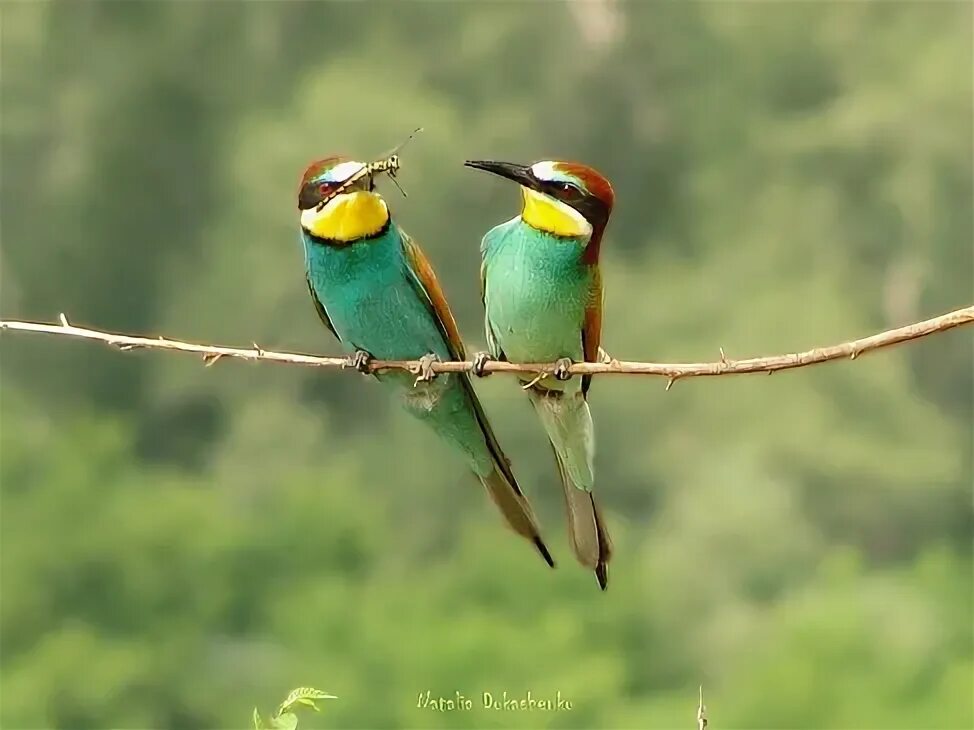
(671,371)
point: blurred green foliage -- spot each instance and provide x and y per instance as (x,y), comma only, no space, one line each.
(181,543)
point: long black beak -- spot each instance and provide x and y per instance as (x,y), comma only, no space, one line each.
(518,173)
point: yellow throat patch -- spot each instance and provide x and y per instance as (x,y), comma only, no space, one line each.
(552,216)
(349,217)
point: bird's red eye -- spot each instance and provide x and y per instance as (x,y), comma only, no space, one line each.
(323,188)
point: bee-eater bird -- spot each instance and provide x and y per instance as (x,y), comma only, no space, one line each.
(542,293)
(375,290)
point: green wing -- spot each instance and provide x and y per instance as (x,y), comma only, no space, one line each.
(320,309)
(493,346)
(428,289)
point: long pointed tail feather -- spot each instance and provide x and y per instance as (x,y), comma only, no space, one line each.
(569,425)
(587,530)
(501,484)
(516,510)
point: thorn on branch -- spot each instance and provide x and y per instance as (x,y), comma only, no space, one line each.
(209,358)
(850,350)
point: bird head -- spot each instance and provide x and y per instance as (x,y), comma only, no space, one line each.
(354,213)
(562,198)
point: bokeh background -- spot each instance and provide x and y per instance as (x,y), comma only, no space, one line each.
(182,543)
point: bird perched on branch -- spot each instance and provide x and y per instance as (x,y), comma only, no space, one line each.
(542,293)
(375,290)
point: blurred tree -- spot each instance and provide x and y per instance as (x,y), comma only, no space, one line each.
(178,544)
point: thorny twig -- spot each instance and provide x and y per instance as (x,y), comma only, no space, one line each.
(607,366)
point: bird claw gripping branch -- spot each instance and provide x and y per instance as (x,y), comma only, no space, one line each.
(361,361)
(424,371)
(563,368)
(480,359)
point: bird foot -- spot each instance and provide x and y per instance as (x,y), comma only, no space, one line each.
(479,360)
(605,358)
(361,361)
(563,368)
(424,373)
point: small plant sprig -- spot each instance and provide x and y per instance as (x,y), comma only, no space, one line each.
(285,718)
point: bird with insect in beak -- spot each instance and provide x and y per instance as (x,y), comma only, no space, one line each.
(375,290)
(542,293)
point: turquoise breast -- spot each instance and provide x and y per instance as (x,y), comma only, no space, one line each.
(370,298)
(536,292)
(374,304)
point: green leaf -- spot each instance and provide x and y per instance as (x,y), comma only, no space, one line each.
(285,721)
(304,696)
(258,724)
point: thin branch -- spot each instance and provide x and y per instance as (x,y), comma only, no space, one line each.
(671,371)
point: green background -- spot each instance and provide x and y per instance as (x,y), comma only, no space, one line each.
(181,543)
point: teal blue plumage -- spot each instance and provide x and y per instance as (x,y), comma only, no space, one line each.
(535,294)
(378,295)
(373,301)
(542,293)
